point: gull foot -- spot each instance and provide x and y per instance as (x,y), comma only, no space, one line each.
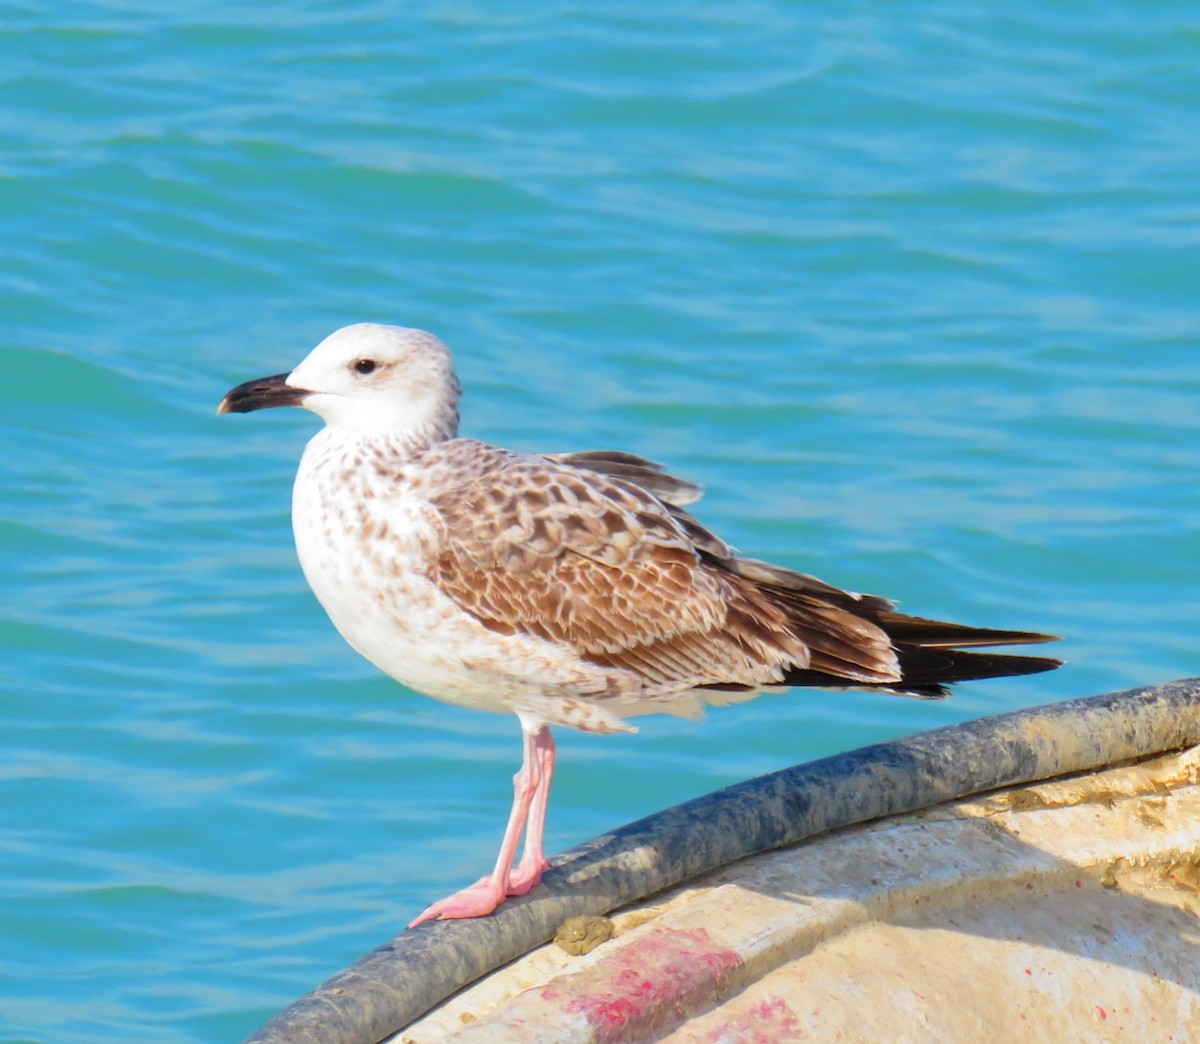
(524,877)
(477,900)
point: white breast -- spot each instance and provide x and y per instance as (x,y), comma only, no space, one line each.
(360,538)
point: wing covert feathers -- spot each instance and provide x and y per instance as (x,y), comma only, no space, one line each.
(594,551)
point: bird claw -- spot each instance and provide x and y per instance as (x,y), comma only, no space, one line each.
(477,900)
(483,897)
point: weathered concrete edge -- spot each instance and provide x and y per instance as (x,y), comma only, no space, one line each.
(403,979)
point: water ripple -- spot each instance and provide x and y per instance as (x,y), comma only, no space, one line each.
(912,294)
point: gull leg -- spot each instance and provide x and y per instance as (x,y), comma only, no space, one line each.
(528,872)
(482,898)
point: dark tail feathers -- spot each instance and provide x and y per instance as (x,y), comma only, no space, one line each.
(931,657)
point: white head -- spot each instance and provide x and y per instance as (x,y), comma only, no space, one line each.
(367,379)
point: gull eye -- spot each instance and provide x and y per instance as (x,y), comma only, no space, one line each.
(365,366)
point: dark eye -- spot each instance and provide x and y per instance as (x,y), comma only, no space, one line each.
(365,366)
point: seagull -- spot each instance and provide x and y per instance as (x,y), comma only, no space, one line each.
(569,589)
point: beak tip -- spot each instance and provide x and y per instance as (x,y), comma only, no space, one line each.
(261,394)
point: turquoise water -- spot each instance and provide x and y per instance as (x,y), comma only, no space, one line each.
(913,293)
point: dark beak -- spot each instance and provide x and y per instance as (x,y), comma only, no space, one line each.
(262,394)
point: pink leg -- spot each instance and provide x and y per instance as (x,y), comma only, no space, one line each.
(482,898)
(528,872)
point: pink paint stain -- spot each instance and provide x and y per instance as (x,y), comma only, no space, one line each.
(767,1022)
(650,983)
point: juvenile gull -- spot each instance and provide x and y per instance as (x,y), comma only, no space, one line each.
(568,589)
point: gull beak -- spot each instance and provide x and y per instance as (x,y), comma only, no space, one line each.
(262,394)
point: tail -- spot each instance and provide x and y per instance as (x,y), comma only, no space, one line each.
(932,656)
(861,641)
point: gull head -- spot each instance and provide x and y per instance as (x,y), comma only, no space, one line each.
(366,379)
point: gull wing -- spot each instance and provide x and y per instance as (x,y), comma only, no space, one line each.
(572,553)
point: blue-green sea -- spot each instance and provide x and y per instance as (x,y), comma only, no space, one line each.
(913,290)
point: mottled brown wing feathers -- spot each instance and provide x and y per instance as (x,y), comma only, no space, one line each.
(594,551)
(599,563)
